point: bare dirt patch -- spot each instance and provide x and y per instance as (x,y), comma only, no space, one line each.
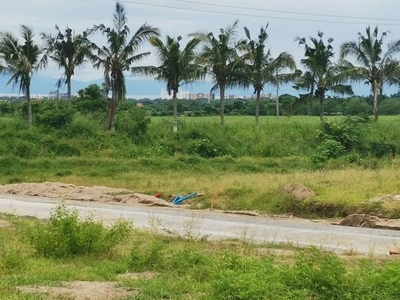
(4,224)
(82,193)
(81,290)
(136,276)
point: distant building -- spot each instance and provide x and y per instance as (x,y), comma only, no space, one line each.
(55,94)
(180,95)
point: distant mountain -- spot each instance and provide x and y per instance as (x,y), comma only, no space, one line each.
(148,87)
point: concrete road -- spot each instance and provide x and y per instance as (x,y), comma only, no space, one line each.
(215,225)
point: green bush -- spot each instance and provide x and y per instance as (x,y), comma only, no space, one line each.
(133,121)
(329,149)
(55,118)
(349,131)
(65,234)
(59,148)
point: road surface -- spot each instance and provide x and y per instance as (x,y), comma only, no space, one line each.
(214,225)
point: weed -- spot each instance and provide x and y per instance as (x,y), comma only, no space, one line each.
(67,235)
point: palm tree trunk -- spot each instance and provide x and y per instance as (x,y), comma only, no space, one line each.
(321,106)
(57,98)
(375,89)
(258,96)
(175,104)
(29,102)
(112,105)
(69,92)
(277,102)
(310,100)
(222,107)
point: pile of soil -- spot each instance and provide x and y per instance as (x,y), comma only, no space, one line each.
(297,191)
(81,193)
(369,221)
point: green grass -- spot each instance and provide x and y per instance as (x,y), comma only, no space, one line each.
(197,269)
(248,166)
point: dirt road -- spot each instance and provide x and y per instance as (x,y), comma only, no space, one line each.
(216,225)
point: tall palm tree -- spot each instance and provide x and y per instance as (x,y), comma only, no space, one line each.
(220,56)
(376,66)
(279,65)
(305,81)
(21,60)
(177,67)
(119,55)
(258,64)
(68,51)
(262,68)
(325,75)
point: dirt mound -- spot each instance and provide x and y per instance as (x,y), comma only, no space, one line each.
(360,220)
(368,221)
(81,290)
(390,199)
(297,191)
(82,193)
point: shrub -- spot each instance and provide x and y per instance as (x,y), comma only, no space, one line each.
(59,148)
(65,234)
(133,121)
(55,118)
(349,131)
(382,148)
(328,149)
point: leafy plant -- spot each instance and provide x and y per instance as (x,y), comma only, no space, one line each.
(65,234)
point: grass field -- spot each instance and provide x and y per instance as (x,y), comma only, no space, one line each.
(248,166)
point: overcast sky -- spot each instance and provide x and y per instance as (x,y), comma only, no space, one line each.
(288,19)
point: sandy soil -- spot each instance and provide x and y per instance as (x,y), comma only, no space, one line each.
(104,194)
(82,193)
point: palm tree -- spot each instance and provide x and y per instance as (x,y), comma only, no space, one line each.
(376,66)
(21,60)
(305,81)
(259,64)
(278,66)
(119,55)
(177,67)
(68,51)
(322,74)
(263,69)
(220,56)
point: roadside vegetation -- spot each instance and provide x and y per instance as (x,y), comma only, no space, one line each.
(168,266)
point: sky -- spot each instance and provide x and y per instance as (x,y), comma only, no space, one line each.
(288,19)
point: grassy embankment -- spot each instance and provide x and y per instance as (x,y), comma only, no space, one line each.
(248,166)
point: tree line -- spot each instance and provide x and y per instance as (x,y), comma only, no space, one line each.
(230,61)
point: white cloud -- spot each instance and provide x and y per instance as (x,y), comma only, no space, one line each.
(42,15)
